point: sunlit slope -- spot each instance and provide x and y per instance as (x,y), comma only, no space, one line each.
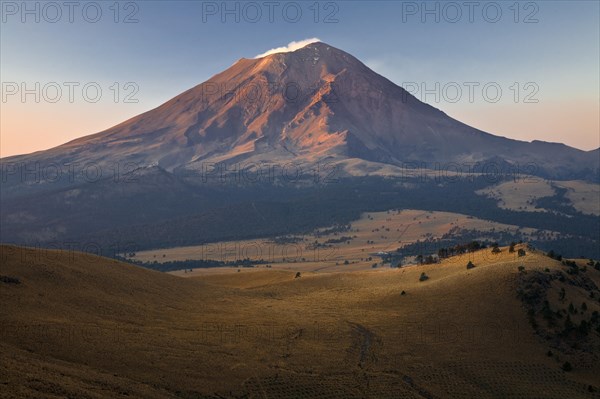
(80,326)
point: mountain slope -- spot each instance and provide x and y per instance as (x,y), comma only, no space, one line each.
(315,104)
(77,325)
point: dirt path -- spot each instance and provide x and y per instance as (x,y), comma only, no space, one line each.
(364,346)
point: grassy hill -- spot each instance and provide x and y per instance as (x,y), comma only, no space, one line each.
(76,325)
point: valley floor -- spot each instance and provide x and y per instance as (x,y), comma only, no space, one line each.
(354,249)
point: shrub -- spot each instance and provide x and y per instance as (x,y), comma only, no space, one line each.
(298,275)
(554,255)
(573,271)
(549,354)
(10,280)
(429,260)
(423,277)
(521,252)
(547,313)
(511,249)
(403,293)
(568,325)
(496,250)
(470,265)
(562,294)
(521,268)
(567,366)
(584,328)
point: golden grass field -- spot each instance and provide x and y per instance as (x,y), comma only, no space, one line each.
(80,326)
(372,233)
(522,194)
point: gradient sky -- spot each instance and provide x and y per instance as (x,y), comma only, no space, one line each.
(553,58)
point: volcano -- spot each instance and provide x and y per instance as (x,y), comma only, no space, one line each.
(315,104)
